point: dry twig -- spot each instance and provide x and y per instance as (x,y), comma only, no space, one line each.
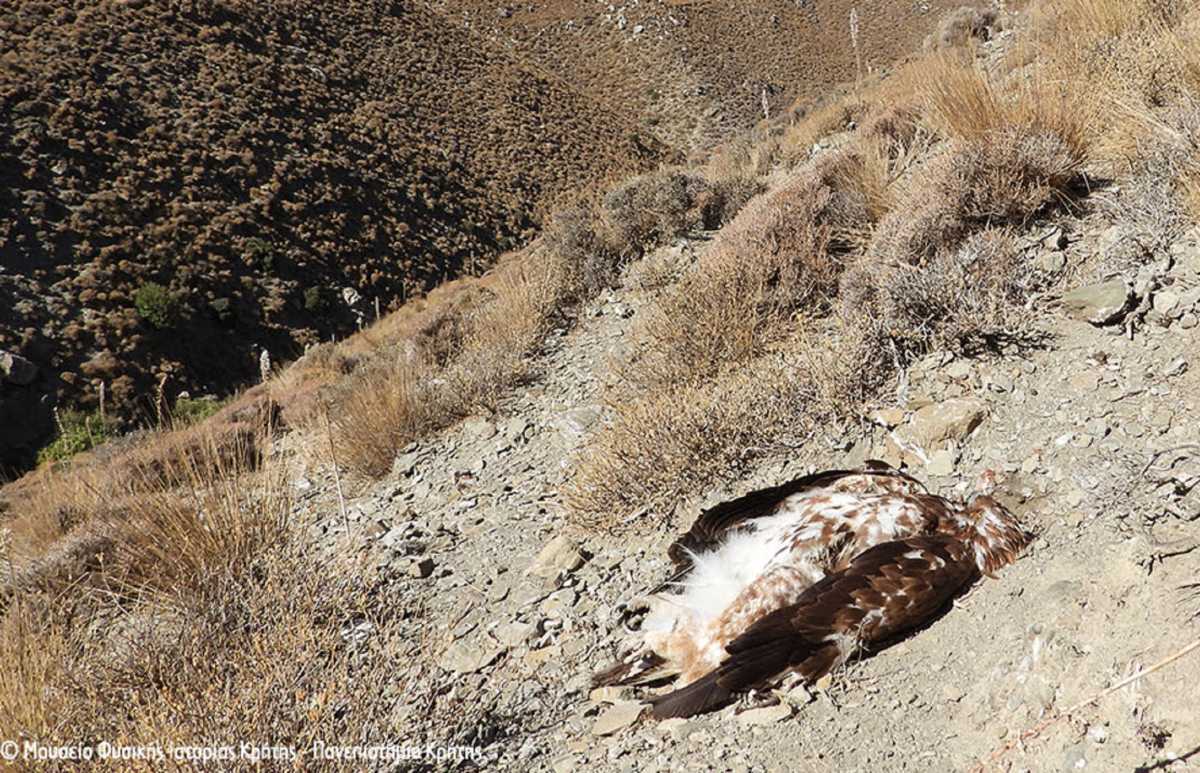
(1037,729)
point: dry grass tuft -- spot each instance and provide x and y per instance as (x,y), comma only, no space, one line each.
(963,103)
(128,524)
(734,176)
(175,637)
(1088,21)
(811,126)
(211,586)
(671,442)
(397,400)
(1189,188)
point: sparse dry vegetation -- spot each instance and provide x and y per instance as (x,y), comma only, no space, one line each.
(147,589)
(176,635)
(907,234)
(410,390)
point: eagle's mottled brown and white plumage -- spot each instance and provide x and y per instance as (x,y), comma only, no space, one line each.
(795,578)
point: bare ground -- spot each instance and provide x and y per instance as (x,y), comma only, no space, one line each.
(1077,427)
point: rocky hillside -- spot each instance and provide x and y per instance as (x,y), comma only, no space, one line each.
(182,183)
(1092,438)
(426,537)
(694,72)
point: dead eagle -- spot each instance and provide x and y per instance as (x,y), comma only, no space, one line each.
(789,582)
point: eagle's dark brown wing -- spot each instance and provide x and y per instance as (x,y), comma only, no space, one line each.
(710,528)
(887,590)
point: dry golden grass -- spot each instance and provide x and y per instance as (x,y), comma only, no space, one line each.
(1123,59)
(197,518)
(211,665)
(35,653)
(1087,21)
(795,146)
(963,103)
(55,500)
(1189,187)
(206,586)
(404,396)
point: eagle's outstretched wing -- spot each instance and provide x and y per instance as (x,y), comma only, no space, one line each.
(887,590)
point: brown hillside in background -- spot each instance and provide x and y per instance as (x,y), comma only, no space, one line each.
(694,71)
(254,159)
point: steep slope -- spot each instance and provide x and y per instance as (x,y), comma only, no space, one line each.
(245,163)
(696,71)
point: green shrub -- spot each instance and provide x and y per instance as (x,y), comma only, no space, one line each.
(78,432)
(315,301)
(156,304)
(192,410)
(259,251)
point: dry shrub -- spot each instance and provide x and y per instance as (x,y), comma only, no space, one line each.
(961,25)
(671,442)
(733,177)
(771,260)
(653,208)
(583,240)
(667,442)
(1006,178)
(725,197)
(967,300)
(502,336)
(780,258)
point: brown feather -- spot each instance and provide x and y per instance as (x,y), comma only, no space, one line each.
(805,636)
(712,524)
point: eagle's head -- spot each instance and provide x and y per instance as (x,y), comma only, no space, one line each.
(995,534)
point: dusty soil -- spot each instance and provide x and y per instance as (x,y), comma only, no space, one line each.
(1081,429)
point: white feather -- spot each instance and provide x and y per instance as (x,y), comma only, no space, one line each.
(718,576)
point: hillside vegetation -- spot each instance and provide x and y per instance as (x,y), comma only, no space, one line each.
(182,183)
(695,72)
(377,542)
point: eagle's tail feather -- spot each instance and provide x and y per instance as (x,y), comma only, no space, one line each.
(766,650)
(701,695)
